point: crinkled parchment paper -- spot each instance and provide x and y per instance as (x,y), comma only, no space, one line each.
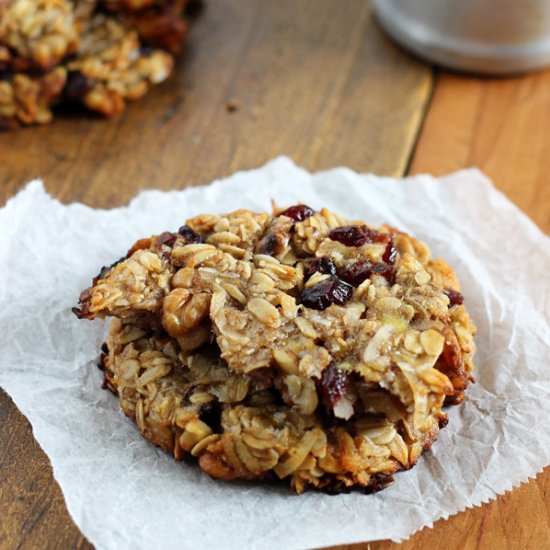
(124,493)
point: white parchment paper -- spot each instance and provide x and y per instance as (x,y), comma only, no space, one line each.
(124,493)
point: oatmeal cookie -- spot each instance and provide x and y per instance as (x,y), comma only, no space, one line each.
(338,343)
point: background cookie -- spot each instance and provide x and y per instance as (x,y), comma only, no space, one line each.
(96,53)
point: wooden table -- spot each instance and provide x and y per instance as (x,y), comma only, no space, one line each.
(315,80)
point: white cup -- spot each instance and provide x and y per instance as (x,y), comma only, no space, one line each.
(483,36)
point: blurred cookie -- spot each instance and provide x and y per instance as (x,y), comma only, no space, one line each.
(104,52)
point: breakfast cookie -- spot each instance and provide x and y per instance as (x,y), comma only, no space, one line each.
(27,99)
(101,52)
(296,345)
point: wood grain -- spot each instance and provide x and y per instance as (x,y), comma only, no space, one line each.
(500,126)
(32,510)
(312,79)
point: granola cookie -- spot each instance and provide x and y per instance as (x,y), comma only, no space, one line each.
(39,34)
(105,52)
(296,345)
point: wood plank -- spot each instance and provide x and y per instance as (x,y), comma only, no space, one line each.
(500,126)
(311,79)
(32,509)
(317,83)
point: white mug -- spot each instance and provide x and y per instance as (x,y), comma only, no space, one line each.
(484,36)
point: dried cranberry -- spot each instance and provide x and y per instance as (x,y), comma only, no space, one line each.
(333,384)
(166,238)
(319,265)
(357,273)
(390,254)
(77,86)
(330,291)
(357,235)
(385,270)
(350,235)
(190,236)
(389,257)
(455,297)
(297,213)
